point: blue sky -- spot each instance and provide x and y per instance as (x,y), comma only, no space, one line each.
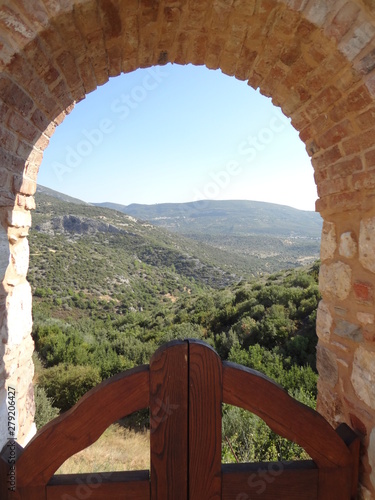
(176,134)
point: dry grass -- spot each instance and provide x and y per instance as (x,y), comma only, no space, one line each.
(118,449)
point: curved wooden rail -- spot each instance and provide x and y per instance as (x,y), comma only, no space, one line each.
(82,425)
(287,417)
(184,386)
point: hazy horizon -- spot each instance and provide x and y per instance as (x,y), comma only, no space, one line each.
(177,134)
(171,202)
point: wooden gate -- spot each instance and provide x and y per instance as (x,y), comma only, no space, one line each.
(184,386)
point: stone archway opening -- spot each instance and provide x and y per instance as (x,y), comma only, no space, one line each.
(316,60)
(247,148)
(269,131)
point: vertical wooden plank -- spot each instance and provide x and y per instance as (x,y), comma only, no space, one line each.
(205,398)
(169,426)
(354,448)
(334,483)
(352,441)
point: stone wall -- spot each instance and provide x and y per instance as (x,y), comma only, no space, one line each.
(315,58)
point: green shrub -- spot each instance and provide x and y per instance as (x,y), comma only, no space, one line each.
(66,384)
(247,438)
(44,409)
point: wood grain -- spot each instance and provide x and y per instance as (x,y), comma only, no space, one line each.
(287,417)
(134,485)
(185,386)
(205,400)
(169,422)
(270,481)
(82,425)
(353,442)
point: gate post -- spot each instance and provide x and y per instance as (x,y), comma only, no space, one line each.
(185,417)
(169,422)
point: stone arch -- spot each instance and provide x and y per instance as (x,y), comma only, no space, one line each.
(316,59)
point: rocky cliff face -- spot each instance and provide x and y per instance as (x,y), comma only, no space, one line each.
(76,225)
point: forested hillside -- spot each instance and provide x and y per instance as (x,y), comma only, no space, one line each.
(109,290)
(268,236)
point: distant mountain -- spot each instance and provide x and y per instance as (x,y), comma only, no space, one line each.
(227,240)
(60,196)
(228,217)
(104,253)
(249,228)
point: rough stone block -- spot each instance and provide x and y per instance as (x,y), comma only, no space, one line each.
(15,97)
(348,331)
(18,322)
(19,218)
(26,129)
(335,280)
(4,252)
(340,311)
(10,161)
(329,404)
(344,167)
(317,11)
(30,203)
(326,158)
(328,187)
(357,143)
(344,202)
(363,180)
(324,100)
(24,185)
(20,256)
(336,134)
(343,21)
(328,241)
(362,33)
(370,83)
(326,364)
(8,140)
(365,318)
(370,157)
(364,292)
(40,120)
(367,244)
(363,376)
(323,322)
(366,120)
(358,99)
(348,245)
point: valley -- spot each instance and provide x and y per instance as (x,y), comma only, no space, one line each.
(110,288)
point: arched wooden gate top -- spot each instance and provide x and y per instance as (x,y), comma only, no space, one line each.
(184,386)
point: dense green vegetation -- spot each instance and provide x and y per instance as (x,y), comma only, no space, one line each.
(267,326)
(105,299)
